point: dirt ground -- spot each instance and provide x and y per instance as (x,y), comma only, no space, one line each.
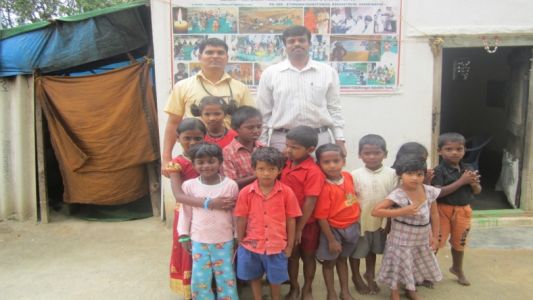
(75,259)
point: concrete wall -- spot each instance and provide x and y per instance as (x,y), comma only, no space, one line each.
(407,114)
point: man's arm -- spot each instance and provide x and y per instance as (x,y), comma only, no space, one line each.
(333,102)
(265,102)
(169,140)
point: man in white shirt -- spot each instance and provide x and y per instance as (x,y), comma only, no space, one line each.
(300,91)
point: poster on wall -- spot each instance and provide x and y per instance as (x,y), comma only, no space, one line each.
(359,38)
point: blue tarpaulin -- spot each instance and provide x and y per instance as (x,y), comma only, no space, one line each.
(64,45)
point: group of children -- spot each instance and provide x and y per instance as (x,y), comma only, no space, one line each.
(290,207)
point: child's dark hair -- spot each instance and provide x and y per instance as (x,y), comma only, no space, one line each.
(326,148)
(242,114)
(373,139)
(191,124)
(411,149)
(304,136)
(452,137)
(203,150)
(227,108)
(270,155)
(409,163)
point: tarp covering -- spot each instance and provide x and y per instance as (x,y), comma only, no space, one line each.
(103,133)
(67,44)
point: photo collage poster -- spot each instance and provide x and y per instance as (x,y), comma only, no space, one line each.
(360,39)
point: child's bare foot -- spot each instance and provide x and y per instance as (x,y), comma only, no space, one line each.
(346,296)
(307,293)
(372,285)
(332,296)
(360,285)
(460,277)
(293,294)
(412,295)
(395,295)
(426,283)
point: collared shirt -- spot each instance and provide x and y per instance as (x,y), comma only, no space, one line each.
(288,97)
(371,187)
(337,203)
(266,229)
(238,160)
(190,90)
(445,174)
(305,180)
(206,225)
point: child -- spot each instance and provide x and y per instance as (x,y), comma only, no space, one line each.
(266,212)
(211,231)
(418,150)
(459,182)
(190,132)
(374,183)
(408,257)
(247,122)
(213,110)
(305,179)
(337,211)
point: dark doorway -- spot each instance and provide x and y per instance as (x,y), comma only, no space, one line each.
(480,95)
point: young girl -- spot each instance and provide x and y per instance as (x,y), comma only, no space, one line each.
(408,257)
(190,131)
(213,110)
(210,232)
(337,211)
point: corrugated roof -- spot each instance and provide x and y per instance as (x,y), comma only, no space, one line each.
(6,33)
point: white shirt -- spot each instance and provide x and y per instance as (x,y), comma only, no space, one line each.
(371,188)
(288,97)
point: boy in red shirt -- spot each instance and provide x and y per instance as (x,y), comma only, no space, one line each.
(266,211)
(337,211)
(305,178)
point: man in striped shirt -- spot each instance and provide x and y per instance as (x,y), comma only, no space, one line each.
(300,91)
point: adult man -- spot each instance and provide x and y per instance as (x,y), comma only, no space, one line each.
(210,81)
(300,91)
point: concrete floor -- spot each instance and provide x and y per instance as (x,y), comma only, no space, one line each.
(75,259)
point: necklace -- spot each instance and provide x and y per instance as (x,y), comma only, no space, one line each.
(336,181)
(218,137)
(219,180)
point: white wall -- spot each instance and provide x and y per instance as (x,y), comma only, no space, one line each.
(405,115)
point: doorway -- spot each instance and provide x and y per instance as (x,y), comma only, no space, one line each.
(484,97)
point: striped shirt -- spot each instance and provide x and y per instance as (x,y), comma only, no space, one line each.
(288,97)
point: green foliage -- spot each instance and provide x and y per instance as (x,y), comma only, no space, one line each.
(14,13)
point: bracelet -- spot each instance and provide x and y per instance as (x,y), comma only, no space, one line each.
(207,200)
(184,239)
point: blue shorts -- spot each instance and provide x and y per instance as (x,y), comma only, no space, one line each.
(252,266)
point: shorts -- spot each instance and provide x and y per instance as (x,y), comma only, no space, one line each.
(310,237)
(454,223)
(371,242)
(348,238)
(252,266)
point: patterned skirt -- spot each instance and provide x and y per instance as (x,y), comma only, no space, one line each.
(405,264)
(180,264)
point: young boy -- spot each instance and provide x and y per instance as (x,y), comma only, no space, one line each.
(266,212)
(459,183)
(373,183)
(305,178)
(237,165)
(337,211)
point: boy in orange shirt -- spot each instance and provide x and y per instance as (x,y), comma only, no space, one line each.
(266,212)
(337,211)
(304,177)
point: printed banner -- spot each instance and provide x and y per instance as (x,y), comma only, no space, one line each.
(359,38)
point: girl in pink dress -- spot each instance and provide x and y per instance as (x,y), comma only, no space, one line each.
(409,250)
